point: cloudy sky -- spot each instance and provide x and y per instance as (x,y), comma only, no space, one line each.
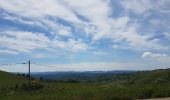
(83,35)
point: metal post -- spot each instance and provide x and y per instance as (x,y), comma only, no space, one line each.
(29,76)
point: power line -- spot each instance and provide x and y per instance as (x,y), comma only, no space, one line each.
(25,63)
(11,64)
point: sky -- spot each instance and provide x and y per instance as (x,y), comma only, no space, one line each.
(84,35)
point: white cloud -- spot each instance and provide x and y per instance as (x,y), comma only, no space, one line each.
(137,6)
(8,52)
(121,22)
(162,6)
(56,29)
(156,56)
(71,44)
(97,12)
(152,55)
(21,41)
(130,38)
(100,53)
(24,68)
(99,23)
(21,20)
(37,9)
(73,67)
(146,6)
(39,55)
(115,46)
(65,32)
(102,66)
(155,22)
(167,35)
(146,54)
(25,42)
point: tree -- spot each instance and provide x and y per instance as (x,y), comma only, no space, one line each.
(41,79)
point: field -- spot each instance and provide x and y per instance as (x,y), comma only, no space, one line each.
(139,85)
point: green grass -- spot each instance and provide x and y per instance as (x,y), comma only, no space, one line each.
(117,87)
(10,80)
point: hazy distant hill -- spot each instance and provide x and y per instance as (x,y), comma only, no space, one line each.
(160,75)
(78,75)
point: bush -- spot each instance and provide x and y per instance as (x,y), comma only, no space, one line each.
(72,81)
(41,79)
(33,86)
(24,86)
(36,85)
(16,86)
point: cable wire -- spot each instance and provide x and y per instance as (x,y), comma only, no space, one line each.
(11,64)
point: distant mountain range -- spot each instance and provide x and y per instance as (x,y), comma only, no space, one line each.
(74,75)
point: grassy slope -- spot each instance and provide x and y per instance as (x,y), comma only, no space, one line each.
(10,80)
(121,87)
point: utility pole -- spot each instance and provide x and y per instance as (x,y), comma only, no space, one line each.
(29,76)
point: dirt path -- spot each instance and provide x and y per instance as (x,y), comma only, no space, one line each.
(158,99)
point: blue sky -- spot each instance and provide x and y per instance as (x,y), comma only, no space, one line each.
(85,35)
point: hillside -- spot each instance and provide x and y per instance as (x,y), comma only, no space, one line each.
(123,86)
(140,77)
(10,80)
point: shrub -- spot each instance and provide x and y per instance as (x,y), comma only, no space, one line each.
(16,86)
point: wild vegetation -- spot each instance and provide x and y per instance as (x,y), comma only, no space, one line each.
(128,86)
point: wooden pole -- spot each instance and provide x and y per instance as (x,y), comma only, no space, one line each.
(29,76)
